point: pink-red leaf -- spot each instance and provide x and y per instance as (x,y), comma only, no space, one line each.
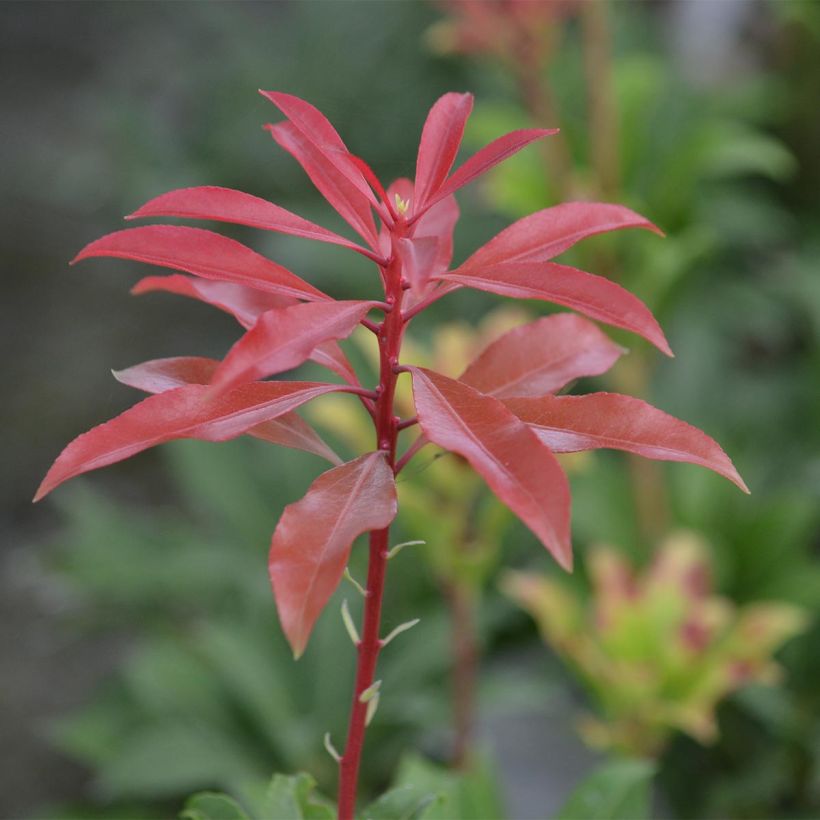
(521,471)
(186,412)
(228,205)
(440,141)
(591,295)
(542,357)
(486,158)
(543,235)
(283,338)
(568,424)
(159,375)
(311,545)
(201,253)
(346,197)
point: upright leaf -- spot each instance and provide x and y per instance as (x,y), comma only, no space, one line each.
(591,295)
(486,158)
(186,412)
(520,470)
(440,141)
(228,205)
(159,375)
(202,253)
(543,235)
(541,357)
(283,338)
(567,424)
(347,198)
(311,544)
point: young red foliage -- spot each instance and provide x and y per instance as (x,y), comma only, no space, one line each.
(500,415)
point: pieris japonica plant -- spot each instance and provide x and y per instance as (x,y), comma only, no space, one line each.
(503,414)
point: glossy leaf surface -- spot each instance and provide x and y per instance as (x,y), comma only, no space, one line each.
(186,412)
(543,235)
(284,338)
(520,470)
(159,375)
(568,424)
(201,253)
(488,157)
(440,141)
(228,205)
(311,544)
(542,357)
(591,295)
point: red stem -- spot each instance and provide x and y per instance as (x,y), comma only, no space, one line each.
(389,337)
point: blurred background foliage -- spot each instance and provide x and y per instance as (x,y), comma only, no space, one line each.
(142,657)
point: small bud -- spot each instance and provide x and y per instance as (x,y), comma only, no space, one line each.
(392,553)
(331,749)
(362,591)
(349,625)
(372,705)
(398,630)
(402,205)
(371,692)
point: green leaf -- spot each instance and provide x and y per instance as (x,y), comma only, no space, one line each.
(618,790)
(402,803)
(212,806)
(294,798)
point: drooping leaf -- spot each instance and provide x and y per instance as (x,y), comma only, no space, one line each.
(618,790)
(202,253)
(542,357)
(294,797)
(311,544)
(246,305)
(159,375)
(591,295)
(568,424)
(284,338)
(520,470)
(486,158)
(440,141)
(228,205)
(543,235)
(212,806)
(406,802)
(185,412)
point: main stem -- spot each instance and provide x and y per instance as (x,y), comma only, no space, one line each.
(389,338)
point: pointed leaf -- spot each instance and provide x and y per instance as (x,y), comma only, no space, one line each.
(567,424)
(202,253)
(159,375)
(418,259)
(542,357)
(245,304)
(486,158)
(591,295)
(440,141)
(186,412)
(518,468)
(229,205)
(311,544)
(348,200)
(543,235)
(284,338)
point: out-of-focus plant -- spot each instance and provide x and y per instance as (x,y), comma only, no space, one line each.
(657,649)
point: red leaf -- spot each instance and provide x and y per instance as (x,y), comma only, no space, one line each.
(440,141)
(542,357)
(567,424)
(418,259)
(159,375)
(245,304)
(486,158)
(518,468)
(186,412)
(202,253)
(312,541)
(283,338)
(545,234)
(348,200)
(228,205)
(591,295)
